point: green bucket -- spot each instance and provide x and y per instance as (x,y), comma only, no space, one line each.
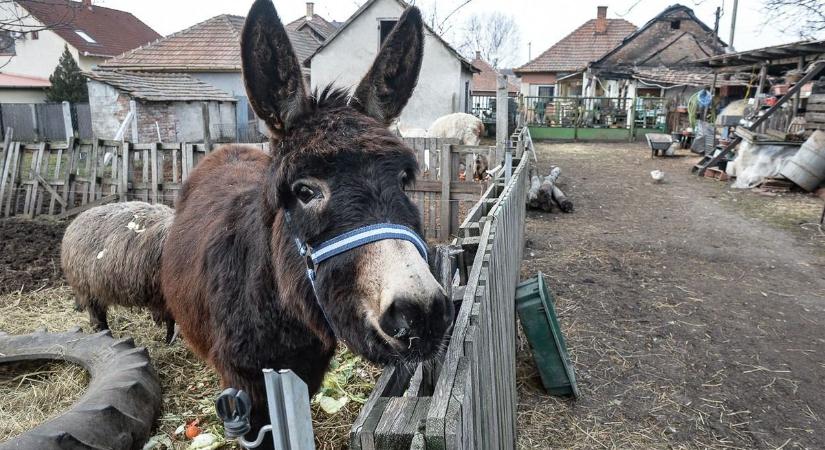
(534,302)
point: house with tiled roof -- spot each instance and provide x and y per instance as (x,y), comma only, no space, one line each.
(208,52)
(484,82)
(558,70)
(37,32)
(346,56)
(661,54)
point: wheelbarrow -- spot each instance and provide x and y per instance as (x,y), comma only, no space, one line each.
(658,142)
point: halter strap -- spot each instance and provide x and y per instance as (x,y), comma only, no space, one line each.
(348,241)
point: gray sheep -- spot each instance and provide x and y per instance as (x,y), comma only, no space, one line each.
(111,256)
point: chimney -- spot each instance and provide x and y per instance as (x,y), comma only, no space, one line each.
(478,54)
(310,10)
(601,19)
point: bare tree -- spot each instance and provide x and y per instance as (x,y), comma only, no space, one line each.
(17,22)
(440,14)
(806,17)
(496,35)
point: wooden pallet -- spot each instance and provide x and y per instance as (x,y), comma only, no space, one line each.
(776,184)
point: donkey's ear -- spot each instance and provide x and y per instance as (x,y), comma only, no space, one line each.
(273,78)
(389,84)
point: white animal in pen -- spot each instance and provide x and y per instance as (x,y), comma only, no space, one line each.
(467,128)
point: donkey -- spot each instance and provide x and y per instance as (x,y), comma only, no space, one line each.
(242,270)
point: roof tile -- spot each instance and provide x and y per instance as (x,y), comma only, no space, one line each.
(579,48)
(161,87)
(113,31)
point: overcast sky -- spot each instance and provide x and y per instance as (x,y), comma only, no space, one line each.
(541,22)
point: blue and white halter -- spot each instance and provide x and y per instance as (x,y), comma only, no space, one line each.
(345,242)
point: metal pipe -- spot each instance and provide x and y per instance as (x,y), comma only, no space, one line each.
(733,22)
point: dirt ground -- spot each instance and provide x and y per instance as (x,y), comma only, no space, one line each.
(693,312)
(33,295)
(29,254)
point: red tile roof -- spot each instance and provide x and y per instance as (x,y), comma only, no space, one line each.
(8,80)
(113,31)
(485,81)
(579,48)
(213,46)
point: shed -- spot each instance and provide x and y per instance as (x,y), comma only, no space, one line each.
(346,56)
(168,107)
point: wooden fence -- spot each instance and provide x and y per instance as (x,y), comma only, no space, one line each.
(59,179)
(467,399)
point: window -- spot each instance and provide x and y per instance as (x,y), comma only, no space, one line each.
(7,43)
(386,28)
(85,36)
(675,24)
(35,35)
(546,91)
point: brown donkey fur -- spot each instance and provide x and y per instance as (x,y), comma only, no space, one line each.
(232,273)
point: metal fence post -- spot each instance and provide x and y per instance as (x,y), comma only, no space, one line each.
(289,410)
(67,121)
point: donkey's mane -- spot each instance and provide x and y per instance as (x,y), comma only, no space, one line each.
(329,97)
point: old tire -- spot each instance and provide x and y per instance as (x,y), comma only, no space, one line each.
(120,404)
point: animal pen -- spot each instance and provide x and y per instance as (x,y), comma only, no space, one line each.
(60,178)
(467,398)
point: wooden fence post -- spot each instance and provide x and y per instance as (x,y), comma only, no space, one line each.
(446,177)
(68,174)
(207,133)
(501,117)
(124,173)
(13,163)
(153,158)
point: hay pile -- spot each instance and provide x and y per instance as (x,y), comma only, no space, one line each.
(189,386)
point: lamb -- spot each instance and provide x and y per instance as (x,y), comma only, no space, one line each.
(467,128)
(111,255)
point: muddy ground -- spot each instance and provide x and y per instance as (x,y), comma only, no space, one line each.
(693,312)
(29,254)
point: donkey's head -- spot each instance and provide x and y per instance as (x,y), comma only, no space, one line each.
(336,168)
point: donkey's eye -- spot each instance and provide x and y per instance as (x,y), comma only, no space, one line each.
(305,193)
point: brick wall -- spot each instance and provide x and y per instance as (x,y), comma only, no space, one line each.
(157,115)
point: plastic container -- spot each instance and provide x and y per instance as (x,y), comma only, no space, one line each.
(534,303)
(807,167)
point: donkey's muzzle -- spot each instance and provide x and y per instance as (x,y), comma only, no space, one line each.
(418,324)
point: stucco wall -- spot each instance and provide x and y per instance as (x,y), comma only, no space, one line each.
(177,121)
(350,55)
(108,108)
(530,82)
(33,57)
(229,82)
(22,95)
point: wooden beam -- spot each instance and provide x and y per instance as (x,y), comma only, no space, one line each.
(813,72)
(88,206)
(55,195)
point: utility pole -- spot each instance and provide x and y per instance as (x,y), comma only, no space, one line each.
(529,51)
(733,22)
(716,23)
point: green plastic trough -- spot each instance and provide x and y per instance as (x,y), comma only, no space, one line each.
(534,302)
